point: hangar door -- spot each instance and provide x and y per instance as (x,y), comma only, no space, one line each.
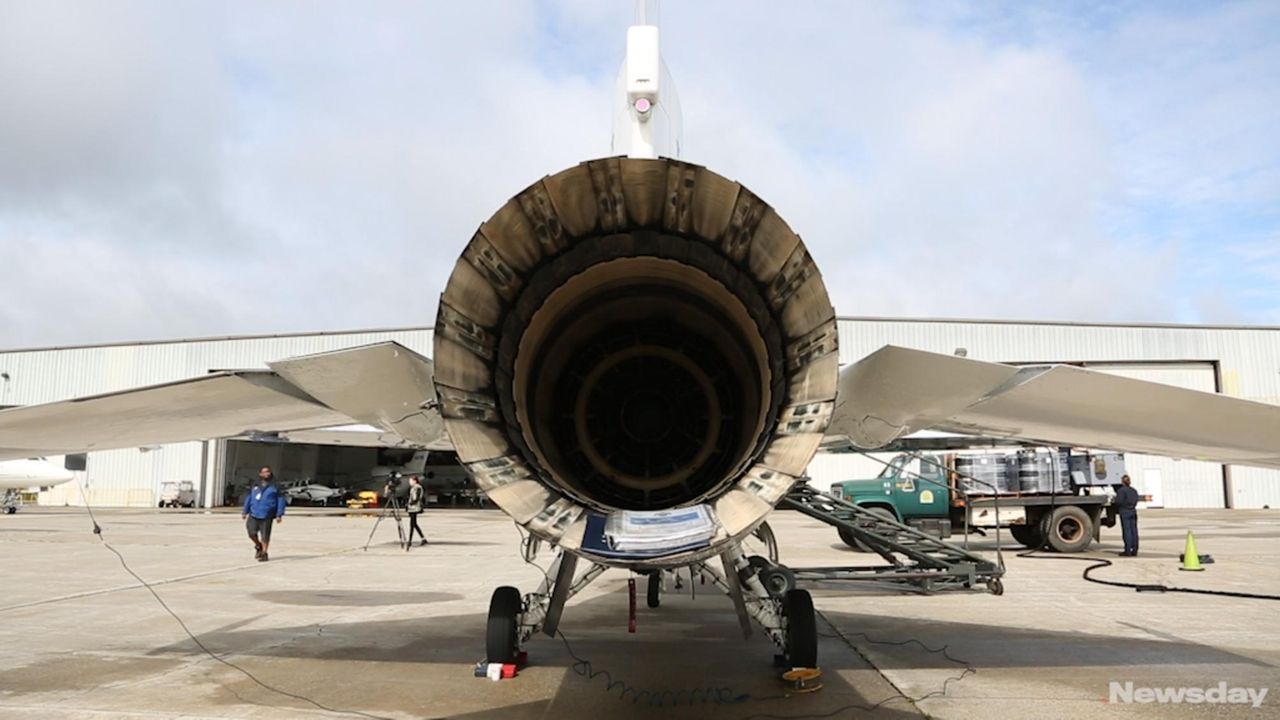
(1173,483)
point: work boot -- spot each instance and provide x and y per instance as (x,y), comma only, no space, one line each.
(257,550)
(424,541)
(262,557)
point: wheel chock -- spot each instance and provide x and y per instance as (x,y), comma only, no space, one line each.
(496,671)
(803,680)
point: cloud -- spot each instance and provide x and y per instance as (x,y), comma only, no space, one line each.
(218,168)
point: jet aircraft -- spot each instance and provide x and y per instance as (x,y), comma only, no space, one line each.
(636,359)
(18,475)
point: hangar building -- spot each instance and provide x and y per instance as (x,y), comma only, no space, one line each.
(1239,361)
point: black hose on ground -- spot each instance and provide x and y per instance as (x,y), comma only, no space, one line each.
(1099,563)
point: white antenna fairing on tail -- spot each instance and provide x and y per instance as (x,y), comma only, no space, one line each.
(646,119)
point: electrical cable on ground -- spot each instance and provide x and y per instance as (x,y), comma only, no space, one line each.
(1099,563)
(97,530)
(967,670)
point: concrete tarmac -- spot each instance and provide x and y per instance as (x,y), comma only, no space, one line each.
(327,626)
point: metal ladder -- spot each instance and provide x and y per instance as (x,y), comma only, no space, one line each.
(917,561)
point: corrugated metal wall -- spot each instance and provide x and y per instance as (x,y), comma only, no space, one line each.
(1246,362)
(132,477)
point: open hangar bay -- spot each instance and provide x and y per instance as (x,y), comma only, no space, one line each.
(1238,361)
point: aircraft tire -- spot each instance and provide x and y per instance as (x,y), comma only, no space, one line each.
(802,629)
(653,598)
(500,632)
(778,580)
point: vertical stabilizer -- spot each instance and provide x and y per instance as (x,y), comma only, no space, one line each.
(646,119)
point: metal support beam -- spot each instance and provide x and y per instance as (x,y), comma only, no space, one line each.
(560,594)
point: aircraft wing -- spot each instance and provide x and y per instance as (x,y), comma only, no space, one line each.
(349,436)
(303,393)
(896,391)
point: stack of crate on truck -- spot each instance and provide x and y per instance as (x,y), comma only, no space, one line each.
(1056,498)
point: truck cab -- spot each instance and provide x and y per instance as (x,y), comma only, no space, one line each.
(909,489)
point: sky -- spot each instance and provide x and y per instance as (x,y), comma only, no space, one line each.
(216,168)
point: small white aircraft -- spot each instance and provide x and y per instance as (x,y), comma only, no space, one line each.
(636,359)
(313,493)
(18,475)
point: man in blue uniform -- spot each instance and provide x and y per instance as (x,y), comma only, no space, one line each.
(1127,508)
(262,505)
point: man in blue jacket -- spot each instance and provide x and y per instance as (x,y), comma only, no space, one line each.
(263,504)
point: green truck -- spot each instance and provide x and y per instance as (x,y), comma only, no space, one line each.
(1055,499)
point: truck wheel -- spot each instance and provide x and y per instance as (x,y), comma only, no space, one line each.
(880,511)
(504,621)
(1068,529)
(1031,536)
(850,540)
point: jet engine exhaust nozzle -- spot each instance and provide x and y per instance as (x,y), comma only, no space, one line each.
(640,335)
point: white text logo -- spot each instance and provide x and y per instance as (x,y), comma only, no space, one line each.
(1217,694)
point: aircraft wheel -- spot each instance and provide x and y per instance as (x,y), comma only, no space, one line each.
(504,622)
(654,596)
(778,580)
(802,629)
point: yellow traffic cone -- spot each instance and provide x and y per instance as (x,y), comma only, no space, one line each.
(1190,557)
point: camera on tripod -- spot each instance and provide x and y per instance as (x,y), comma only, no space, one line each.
(392,485)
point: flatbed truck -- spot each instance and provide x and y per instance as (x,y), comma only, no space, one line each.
(1060,505)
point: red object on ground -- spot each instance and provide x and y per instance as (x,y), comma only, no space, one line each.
(631,591)
(508,670)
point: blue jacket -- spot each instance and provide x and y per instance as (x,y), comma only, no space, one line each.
(264,502)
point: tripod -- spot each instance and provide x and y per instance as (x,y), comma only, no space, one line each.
(392,507)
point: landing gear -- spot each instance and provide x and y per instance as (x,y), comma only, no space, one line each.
(513,618)
(778,580)
(801,629)
(501,644)
(766,593)
(761,590)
